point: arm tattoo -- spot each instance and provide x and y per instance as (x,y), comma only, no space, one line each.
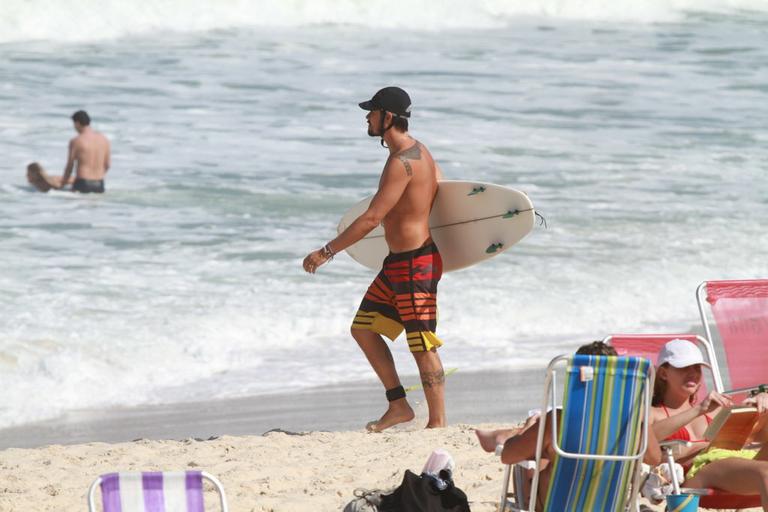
(408,169)
(432,379)
(412,153)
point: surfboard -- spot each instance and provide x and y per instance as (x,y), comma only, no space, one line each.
(470,222)
(39,179)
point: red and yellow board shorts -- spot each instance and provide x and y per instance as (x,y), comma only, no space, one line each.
(404,296)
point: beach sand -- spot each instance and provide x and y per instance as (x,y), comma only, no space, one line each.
(316,471)
(318,456)
(277,471)
(313,463)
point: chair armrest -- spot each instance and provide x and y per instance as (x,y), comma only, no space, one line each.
(699,492)
(527,464)
(674,446)
(675,443)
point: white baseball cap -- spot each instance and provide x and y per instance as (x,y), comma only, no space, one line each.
(680,353)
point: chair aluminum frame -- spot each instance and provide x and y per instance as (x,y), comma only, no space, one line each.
(207,476)
(550,385)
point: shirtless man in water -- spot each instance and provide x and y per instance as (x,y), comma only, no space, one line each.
(404,294)
(90,149)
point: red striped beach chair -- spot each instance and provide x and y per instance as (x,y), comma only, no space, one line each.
(160,491)
(648,346)
(738,330)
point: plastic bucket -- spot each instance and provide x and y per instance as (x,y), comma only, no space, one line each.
(682,503)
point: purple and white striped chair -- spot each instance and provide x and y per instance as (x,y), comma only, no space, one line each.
(160,491)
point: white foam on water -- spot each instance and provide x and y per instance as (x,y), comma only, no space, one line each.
(81,20)
(236,153)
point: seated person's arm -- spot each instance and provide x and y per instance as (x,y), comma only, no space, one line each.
(523,446)
(664,427)
(653,453)
(760,432)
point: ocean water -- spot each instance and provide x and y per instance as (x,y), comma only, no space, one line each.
(638,128)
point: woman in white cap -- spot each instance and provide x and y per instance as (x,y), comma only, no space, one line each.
(677,415)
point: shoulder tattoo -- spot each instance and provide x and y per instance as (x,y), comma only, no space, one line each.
(412,153)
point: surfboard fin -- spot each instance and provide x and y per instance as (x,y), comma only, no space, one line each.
(477,190)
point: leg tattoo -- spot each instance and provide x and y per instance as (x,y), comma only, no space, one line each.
(432,379)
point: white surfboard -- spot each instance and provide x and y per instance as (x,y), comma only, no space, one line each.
(470,222)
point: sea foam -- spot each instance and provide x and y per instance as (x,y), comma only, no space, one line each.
(84,20)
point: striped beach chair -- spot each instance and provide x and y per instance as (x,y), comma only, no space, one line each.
(600,437)
(161,491)
(738,330)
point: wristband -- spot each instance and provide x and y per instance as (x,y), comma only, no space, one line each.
(328,252)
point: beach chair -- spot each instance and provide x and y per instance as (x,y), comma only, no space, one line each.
(738,330)
(649,345)
(600,437)
(166,491)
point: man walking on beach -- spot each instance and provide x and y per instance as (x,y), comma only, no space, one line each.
(403,296)
(90,149)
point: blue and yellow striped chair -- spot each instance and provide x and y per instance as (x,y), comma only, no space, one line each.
(600,437)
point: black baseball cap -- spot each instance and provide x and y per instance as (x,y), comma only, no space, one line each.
(391,99)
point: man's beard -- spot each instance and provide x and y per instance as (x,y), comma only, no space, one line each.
(371,132)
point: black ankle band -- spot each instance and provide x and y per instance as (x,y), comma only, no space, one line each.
(395,393)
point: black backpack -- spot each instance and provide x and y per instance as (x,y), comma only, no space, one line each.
(419,494)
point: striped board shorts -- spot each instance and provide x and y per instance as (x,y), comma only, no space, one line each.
(404,297)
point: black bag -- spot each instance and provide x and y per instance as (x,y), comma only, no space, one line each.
(418,494)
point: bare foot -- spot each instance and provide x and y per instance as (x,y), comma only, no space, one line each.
(398,412)
(435,425)
(487,439)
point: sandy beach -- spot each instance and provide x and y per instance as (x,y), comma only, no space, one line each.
(303,451)
(274,472)
(278,453)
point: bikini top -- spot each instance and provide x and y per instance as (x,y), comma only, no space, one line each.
(683,434)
